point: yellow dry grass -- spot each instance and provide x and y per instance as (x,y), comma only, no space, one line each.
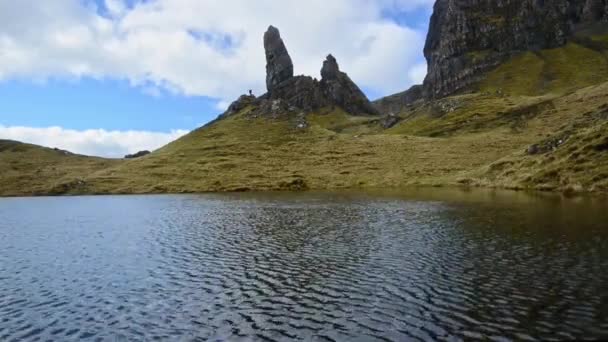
(475,139)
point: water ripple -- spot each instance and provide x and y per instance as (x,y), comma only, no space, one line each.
(300,267)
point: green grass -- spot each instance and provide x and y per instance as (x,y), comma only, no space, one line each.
(34,170)
(557,71)
(522,75)
(600,38)
(240,154)
(338,121)
(572,67)
(580,163)
(471,114)
(477,139)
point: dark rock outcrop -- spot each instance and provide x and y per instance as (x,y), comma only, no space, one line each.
(279,67)
(394,104)
(63,152)
(304,92)
(330,70)
(390,120)
(469,37)
(298,95)
(242,102)
(137,155)
(341,91)
(335,89)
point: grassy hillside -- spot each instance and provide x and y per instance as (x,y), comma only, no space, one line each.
(33,170)
(240,153)
(571,157)
(558,70)
(553,103)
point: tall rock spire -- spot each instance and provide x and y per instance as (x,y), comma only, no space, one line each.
(279,66)
(301,94)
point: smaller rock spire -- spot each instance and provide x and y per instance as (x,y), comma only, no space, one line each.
(279,66)
(340,90)
(330,69)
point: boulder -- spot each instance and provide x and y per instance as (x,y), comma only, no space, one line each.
(390,121)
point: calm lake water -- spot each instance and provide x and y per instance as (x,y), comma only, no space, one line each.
(425,265)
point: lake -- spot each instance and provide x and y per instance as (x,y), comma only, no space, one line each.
(426,264)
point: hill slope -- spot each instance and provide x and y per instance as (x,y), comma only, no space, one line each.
(475,139)
(537,120)
(34,170)
(485,142)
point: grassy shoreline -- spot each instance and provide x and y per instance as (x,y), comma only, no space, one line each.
(367,191)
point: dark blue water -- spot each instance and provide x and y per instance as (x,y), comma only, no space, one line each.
(274,267)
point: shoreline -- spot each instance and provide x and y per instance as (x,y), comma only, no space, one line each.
(565,193)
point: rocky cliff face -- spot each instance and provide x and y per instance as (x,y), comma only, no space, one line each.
(467,38)
(302,94)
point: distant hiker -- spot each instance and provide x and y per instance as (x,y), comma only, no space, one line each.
(250,92)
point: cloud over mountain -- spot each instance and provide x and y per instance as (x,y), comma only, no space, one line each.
(207,47)
(95,142)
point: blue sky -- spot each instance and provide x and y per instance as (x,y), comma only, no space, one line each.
(109,104)
(159,68)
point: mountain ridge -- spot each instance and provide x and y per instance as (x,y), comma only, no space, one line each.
(468,38)
(538,120)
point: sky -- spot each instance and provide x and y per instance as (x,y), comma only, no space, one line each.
(111,77)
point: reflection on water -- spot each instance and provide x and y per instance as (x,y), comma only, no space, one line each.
(429,264)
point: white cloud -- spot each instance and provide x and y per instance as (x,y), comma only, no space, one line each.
(417,73)
(116,7)
(95,142)
(222,105)
(152,43)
